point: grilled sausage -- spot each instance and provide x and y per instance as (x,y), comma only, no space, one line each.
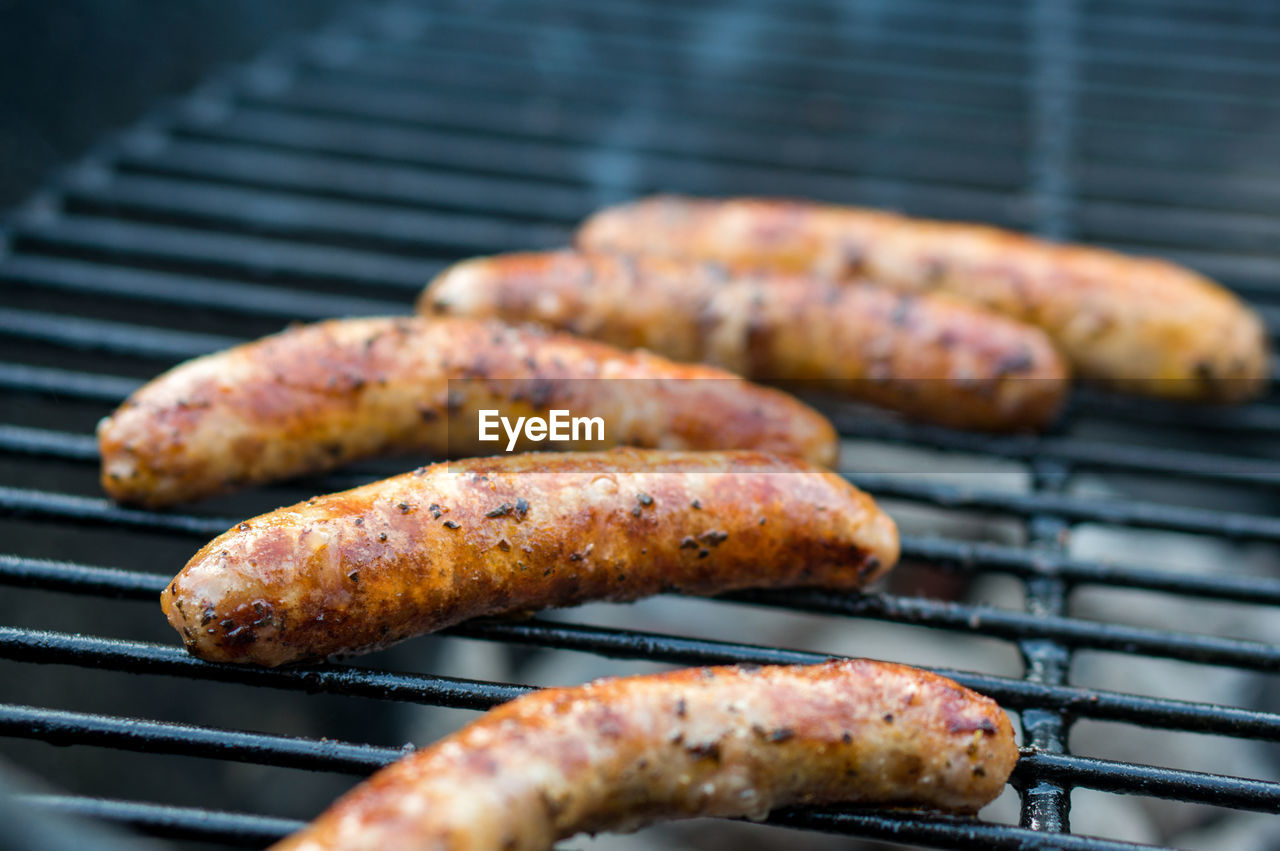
(617,754)
(313,398)
(1140,324)
(927,355)
(362,569)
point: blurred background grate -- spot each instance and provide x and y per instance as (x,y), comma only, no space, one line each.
(1113,583)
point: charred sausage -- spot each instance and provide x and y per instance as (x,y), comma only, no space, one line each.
(1141,324)
(928,355)
(313,398)
(362,569)
(617,754)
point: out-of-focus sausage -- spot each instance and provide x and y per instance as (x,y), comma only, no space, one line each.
(315,397)
(929,355)
(1140,324)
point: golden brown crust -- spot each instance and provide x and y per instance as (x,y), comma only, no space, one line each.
(1141,324)
(617,754)
(361,569)
(315,397)
(929,355)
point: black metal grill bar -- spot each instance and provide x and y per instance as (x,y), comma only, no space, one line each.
(1001,94)
(56,273)
(1201,188)
(1108,140)
(1243,527)
(1211,198)
(709,142)
(974,46)
(632,59)
(410,106)
(67,728)
(256,830)
(217,205)
(962,555)
(934,162)
(48,505)
(1003,20)
(81,578)
(48,443)
(329,60)
(402,231)
(138,657)
(1109,776)
(1132,181)
(641,56)
(490,153)
(951,78)
(240,829)
(1080,454)
(73,332)
(1046,801)
(548,161)
(319,221)
(244,257)
(1249,419)
(1003,16)
(415,186)
(1002,623)
(65,384)
(941,831)
(59,727)
(977,44)
(974,49)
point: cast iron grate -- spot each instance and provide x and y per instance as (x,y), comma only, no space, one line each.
(338,172)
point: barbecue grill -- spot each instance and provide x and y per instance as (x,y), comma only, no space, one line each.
(339,171)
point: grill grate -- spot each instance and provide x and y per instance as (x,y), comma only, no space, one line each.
(338,172)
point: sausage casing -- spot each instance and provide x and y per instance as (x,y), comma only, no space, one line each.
(315,397)
(929,355)
(1141,324)
(361,569)
(617,754)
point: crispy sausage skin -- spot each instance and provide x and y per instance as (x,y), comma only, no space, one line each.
(617,754)
(1140,324)
(315,397)
(416,553)
(928,355)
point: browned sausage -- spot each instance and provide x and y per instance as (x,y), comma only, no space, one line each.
(358,570)
(316,397)
(617,754)
(1141,324)
(929,355)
